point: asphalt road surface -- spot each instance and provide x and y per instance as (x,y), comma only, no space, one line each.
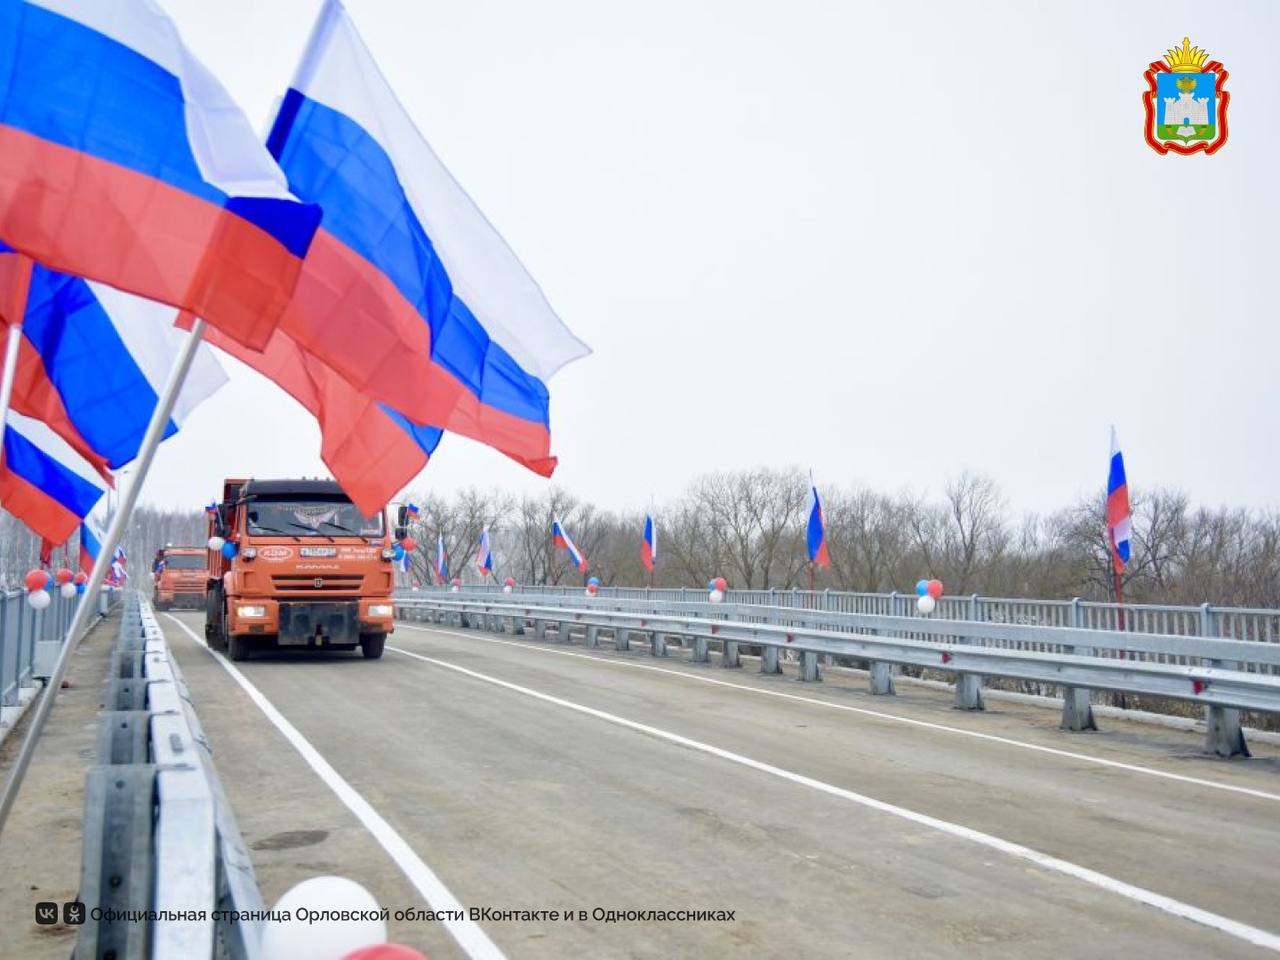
(471,770)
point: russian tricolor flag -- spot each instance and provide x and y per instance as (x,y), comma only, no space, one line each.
(408,292)
(1119,518)
(122,159)
(816,532)
(649,548)
(92,362)
(372,451)
(562,539)
(484,557)
(90,545)
(43,481)
(442,562)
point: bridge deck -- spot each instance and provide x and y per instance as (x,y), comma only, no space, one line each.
(531,775)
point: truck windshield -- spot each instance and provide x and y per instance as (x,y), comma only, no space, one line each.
(184,561)
(311,518)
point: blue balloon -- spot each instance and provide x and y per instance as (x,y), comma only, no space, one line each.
(594,581)
(48,580)
(398,552)
(922,588)
(80,588)
(229,549)
(711,585)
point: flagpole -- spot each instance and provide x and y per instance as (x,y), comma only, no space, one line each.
(115,533)
(13,343)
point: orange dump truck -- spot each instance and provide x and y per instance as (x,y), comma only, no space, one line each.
(180,576)
(299,567)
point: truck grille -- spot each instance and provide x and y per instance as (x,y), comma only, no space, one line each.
(335,586)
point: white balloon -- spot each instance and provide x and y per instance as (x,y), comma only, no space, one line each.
(68,590)
(455,588)
(715,596)
(39,599)
(926,604)
(215,543)
(322,939)
(506,589)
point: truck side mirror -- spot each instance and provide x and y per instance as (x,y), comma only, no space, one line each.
(402,517)
(401,533)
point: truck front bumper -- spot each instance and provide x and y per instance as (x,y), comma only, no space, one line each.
(308,623)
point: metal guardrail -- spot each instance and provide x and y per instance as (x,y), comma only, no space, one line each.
(30,639)
(165,872)
(1223,674)
(1238,623)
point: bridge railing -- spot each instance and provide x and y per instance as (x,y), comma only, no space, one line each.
(164,865)
(1223,674)
(1238,623)
(30,640)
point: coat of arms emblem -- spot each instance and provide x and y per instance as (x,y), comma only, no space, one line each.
(1186,104)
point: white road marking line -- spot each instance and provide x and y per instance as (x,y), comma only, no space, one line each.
(474,941)
(1177,908)
(926,724)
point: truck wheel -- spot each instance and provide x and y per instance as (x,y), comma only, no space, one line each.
(238,648)
(372,644)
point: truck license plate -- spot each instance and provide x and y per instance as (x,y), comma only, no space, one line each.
(319,551)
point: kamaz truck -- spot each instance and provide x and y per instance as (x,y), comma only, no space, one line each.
(294,564)
(180,575)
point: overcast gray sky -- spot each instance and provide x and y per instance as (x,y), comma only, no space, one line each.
(887,241)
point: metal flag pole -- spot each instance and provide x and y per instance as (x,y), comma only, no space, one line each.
(13,342)
(115,533)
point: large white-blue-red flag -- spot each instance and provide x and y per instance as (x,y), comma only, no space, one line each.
(1119,518)
(816,530)
(92,362)
(649,546)
(43,481)
(442,562)
(123,160)
(408,292)
(484,556)
(560,537)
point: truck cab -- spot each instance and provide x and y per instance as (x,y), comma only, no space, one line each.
(180,575)
(295,564)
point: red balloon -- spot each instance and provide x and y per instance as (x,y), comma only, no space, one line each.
(722,584)
(510,581)
(409,544)
(935,589)
(82,577)
(457,582)
(64,575)
(36,580)
(386,951)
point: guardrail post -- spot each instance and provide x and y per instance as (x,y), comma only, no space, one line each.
(809,666)
(700,653)
(658,643)
(881,678)
(540,629)
(1223,734)
(1077,714)
(969,685)
(592,638)
(621,639)
(769,660)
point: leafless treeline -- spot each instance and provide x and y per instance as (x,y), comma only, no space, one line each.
(149,529)
(748,526)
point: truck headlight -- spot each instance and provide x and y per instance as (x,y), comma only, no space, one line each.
(388,553)
(251,611)
(248,553)
(381,610)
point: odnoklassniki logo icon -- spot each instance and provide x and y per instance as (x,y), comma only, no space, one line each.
(1186,103)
